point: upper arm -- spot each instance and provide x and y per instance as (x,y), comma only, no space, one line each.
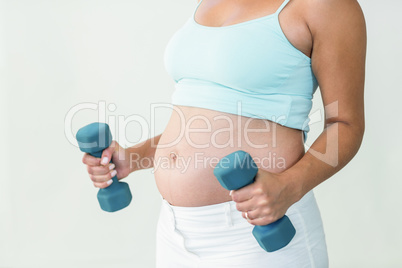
(338,58)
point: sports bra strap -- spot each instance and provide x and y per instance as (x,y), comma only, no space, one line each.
(281,7)
(196,7)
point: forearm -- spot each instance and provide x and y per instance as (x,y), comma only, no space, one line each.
(332,150)
(141,156)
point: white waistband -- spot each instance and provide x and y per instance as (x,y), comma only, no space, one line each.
(218,214)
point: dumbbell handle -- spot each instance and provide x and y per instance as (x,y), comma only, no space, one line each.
(94,139)
(238,170)
(99,155)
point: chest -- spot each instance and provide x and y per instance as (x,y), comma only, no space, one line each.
(221,13)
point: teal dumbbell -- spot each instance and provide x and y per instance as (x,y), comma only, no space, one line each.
(93,139)
(238,170)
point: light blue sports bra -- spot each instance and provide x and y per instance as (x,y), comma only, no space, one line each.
(248,69)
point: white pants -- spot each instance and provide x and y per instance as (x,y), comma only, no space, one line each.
(218,236)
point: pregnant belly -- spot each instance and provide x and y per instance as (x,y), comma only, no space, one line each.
(195,139)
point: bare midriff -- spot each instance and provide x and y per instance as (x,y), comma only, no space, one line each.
(195,139)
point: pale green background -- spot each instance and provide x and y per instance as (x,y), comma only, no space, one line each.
(56,54)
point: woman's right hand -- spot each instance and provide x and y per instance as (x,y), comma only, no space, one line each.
(101,171)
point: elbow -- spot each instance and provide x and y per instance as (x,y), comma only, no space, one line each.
(355,130)
(361,130)
(358,128)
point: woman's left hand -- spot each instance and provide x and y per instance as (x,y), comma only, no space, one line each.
(267,199)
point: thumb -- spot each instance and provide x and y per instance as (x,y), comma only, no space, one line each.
(107,154)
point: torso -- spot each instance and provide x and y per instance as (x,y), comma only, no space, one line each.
(196,138)
(185,158)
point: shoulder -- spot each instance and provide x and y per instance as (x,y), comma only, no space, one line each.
(333,16)
(338,31)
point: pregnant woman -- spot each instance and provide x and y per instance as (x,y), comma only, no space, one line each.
(245,74)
